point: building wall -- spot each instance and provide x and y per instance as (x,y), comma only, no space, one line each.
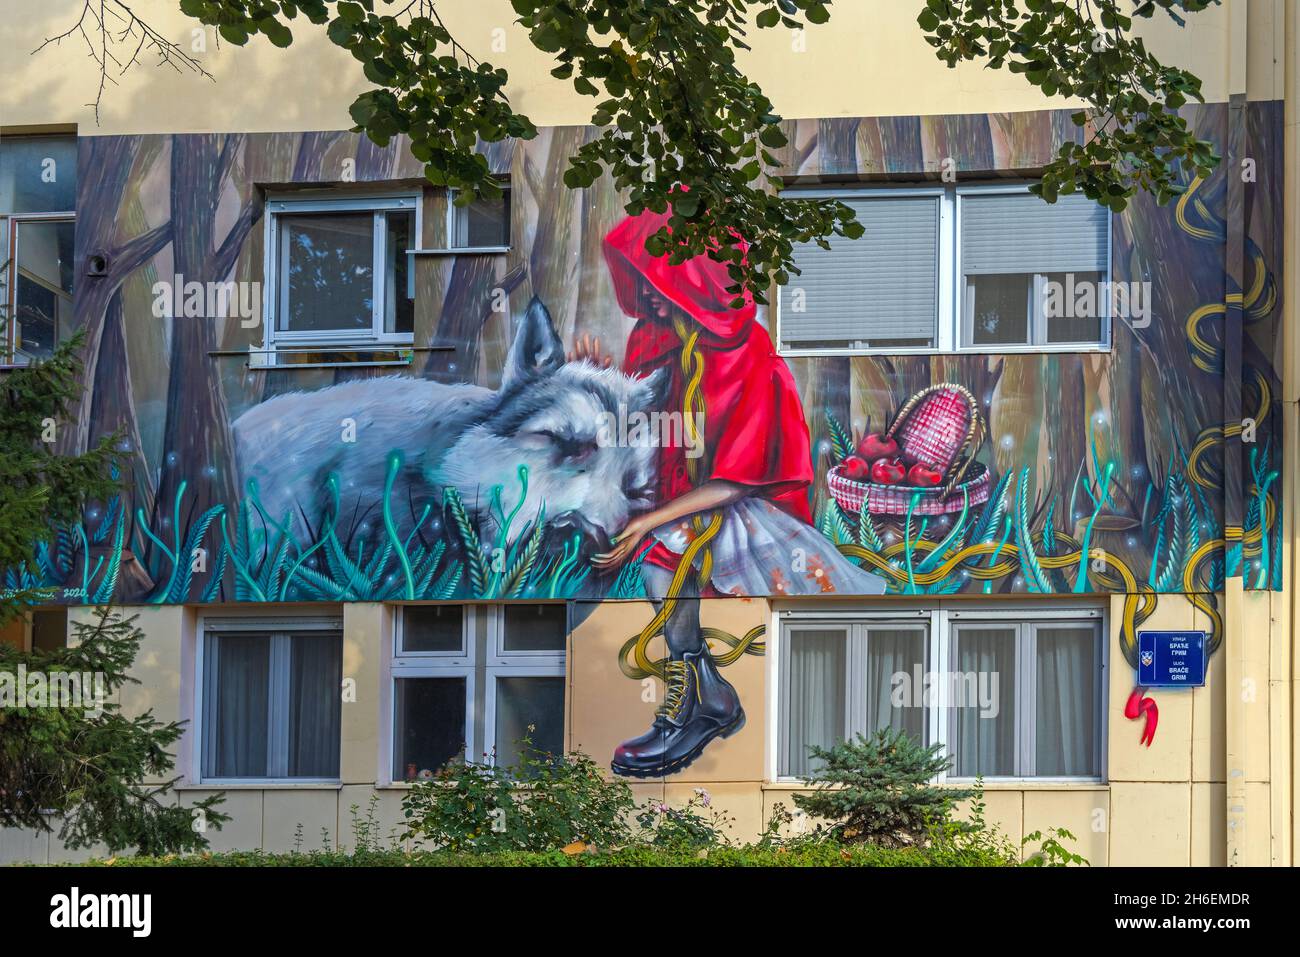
(1158,805)
(313,81)
(1217,784)
(182,387)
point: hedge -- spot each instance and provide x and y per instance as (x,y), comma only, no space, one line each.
(810,855)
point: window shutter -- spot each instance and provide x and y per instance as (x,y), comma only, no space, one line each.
(1019,233)
(881,288)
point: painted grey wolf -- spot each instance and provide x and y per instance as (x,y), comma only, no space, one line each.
(546,418)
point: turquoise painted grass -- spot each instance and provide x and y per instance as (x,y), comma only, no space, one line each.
(1176,518)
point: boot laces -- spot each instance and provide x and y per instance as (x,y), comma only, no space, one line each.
(677,681)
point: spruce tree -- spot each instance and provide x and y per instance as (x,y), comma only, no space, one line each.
(879,789)
(69,756)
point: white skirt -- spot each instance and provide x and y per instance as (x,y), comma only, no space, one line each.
(762,550)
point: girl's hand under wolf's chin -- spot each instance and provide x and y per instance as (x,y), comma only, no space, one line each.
(715,493)
(625,545)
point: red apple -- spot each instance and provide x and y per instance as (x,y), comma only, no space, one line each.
(855,467)
(923,476)
(877,445)
(887,471)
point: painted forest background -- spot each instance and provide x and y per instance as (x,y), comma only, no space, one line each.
(1123,452)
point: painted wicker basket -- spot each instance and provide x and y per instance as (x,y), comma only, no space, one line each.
(940,426)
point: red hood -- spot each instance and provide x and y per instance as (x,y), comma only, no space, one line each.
(697,286)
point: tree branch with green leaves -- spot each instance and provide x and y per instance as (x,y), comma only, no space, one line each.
(682,129)
(1086,49)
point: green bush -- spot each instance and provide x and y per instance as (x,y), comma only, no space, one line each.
(811,854)
(697,825)
(541,802)
(879,789)
(670,837)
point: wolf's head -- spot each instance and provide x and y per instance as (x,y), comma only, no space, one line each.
(554,418)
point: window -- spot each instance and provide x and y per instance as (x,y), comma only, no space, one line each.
(49,629)
(482,224)
(836,682)
(40,283)
(339,272)
(1010,694)
(976,268)
(271,700)
(472,680)
(1014,247)
(38,187)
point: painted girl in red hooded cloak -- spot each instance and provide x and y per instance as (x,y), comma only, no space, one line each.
(743,488)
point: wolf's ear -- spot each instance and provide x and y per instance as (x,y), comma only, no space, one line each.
(536,347)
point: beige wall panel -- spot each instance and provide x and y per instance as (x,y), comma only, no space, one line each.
(18,846)
(388,819)
(1254,692)
(1084,813)
(243,831)
(741,805)
(1209,825)
(1209,715)
(157,665)
(775,797)
(60,853)
(283,810)
(366,629)
(1003,809)
(1260,837)
(1169,758)
(606,708)
(1150,824)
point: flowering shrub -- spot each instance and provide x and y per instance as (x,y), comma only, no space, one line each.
(698,824)
(541,802)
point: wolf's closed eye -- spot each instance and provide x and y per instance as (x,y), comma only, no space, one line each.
(569,448)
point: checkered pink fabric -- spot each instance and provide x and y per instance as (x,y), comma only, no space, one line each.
(936,429)
(893,499)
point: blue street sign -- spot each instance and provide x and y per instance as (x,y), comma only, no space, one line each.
(1171,659)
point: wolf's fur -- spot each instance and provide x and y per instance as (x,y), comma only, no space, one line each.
(545,416)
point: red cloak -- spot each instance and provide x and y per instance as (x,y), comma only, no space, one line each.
(754,428)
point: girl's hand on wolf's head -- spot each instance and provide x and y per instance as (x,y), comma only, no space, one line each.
(625,546)
(588,348)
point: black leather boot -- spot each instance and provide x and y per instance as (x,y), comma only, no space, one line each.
(699,705)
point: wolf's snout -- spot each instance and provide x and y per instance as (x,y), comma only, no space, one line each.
(593,539)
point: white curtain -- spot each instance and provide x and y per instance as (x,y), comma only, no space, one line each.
(1067,695)
(315,698)
(238,669)
(984,741)
(891,652)
(815,689)
(272,705)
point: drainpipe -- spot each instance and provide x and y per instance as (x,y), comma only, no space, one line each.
(1234,638)
(1288,671)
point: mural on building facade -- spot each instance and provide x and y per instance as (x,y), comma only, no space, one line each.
(479,473)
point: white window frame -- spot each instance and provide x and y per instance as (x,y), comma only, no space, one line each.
(272,295)
(428,664)
(464,657)
(941,617)
(951,322)
(9,240)
(453,211)
(855,657)
(480,672)
(273,628)
(449,247)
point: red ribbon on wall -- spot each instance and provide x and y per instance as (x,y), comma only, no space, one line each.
(1138,705)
